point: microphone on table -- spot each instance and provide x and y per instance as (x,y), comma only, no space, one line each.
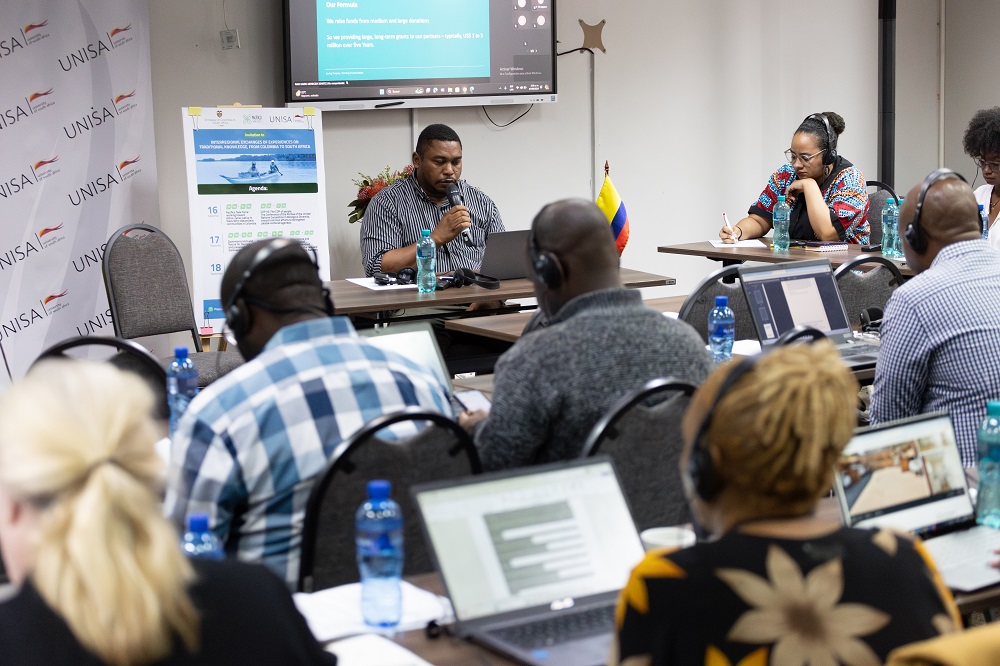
(455,198)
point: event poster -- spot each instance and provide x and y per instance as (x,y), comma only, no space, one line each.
(76,136)
(252,174)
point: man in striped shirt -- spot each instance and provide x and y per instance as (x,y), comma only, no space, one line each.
(941,329)
(394,218)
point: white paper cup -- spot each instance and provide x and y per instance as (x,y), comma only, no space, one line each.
(667,537)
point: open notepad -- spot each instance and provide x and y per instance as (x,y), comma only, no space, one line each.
(753,242)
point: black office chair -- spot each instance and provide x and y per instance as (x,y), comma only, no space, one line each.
(442,450)
(869,289)
(642,434)
(131,357)
(876,200)
(700,302)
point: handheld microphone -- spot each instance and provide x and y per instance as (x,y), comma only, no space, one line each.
(455,198)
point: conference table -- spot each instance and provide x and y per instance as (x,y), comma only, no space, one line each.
(508,327)
(734,254)
(350,298)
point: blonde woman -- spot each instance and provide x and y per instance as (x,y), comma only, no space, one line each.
(101,574)
(778,584)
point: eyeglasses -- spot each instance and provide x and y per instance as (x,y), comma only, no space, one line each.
(229,336)
(982,164)
(792,156)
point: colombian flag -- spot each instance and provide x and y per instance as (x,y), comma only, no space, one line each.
(611,205)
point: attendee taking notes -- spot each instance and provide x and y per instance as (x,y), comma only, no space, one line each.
(826,192)
(553,385)
(777,584)
(941,329)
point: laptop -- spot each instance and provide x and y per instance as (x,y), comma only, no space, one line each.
(505,257)
(525,549)
(803,293)
(907,475)
(416,342)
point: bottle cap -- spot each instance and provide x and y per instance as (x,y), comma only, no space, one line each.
(781,197)
(180,353)
(197,522)
(993,408)
(722,301)
(379,489)
(425,232)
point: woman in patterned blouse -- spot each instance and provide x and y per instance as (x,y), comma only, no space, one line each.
(777,584)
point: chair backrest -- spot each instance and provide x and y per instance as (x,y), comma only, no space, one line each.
(442,450)
(869,289)
(876,200)
(641,432)
(700,302)
(146,284)
(131,357)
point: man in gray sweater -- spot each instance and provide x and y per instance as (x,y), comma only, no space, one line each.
(602,342)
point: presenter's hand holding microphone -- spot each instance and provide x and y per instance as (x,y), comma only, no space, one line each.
(456,221)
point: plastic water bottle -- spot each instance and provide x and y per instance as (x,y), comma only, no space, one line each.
(890,229)
(426,252)
(985,221)
(780,223)
(199,541)
(897,240)
(721,330)
(182,385)
(988,443)
(379,538)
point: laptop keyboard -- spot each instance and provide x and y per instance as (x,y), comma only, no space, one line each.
(857,350)
(559,628)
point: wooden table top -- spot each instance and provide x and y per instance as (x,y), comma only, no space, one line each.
(508,327)
(349,298)
(767,255)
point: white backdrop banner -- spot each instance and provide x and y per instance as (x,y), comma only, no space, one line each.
(76,140)
(252,174)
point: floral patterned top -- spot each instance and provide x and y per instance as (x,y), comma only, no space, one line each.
(849,597)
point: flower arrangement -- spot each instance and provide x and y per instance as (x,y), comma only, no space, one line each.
(369,186)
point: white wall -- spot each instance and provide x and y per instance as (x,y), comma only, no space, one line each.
(695,104)
(918,57)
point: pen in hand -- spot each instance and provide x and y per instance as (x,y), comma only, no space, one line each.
(732,232)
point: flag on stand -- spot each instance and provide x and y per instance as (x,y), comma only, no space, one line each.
(611,205)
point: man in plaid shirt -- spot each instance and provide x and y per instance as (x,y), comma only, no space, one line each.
(250,445)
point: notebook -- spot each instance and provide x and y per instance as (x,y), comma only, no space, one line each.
(803,293)
(907,475)
(416,342)
(505,257)
(523,549)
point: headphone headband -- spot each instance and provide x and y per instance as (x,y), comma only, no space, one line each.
(914,233)
(830,156)
(544,264)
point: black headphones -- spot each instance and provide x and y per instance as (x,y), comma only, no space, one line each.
(464,276)
(545,264)
(701,474)
(830,155)
(236,319)
(914,233)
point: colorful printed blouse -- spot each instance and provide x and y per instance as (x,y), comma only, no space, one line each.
(849,597)
(844,192)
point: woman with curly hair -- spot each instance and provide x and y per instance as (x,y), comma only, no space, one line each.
(777,584)
(982,144)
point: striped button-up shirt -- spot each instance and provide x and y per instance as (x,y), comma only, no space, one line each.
(250,445)
(940,347)
(396,215)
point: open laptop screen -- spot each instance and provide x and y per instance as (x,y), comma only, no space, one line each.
(906,475)
(414,341)
(530,537)
(800,293)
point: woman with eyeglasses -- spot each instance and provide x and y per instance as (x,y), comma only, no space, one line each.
(827,193)
(982,143)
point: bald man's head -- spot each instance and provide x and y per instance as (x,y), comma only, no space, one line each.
(949,214)
(578,235)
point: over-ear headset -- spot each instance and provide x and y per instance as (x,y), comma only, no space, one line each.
(830,155)
(545,264)
(463,276)
(701,474)
(236,319)
(914,233)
